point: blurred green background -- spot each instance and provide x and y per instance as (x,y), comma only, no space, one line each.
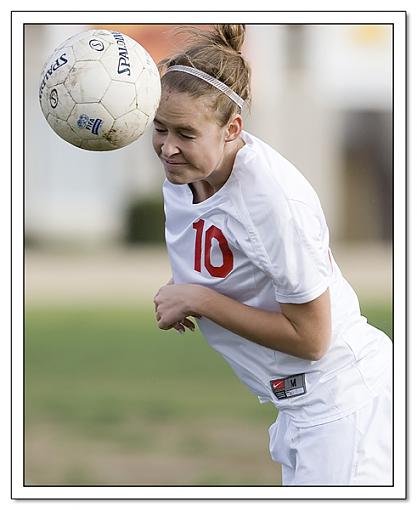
(112,400)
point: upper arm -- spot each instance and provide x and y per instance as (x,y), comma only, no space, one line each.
(289,241)
(312,322)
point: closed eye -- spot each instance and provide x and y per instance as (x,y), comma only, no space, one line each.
(182,135)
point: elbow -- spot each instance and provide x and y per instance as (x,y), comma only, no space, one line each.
(318,349)
(316,355)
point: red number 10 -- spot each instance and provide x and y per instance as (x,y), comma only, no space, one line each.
(212,233)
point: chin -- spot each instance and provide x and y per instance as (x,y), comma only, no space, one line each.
(176,179)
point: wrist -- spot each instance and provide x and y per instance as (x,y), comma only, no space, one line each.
(200,300)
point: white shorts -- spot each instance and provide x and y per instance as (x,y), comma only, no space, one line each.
(354,450)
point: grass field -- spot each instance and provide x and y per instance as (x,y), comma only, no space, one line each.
(111,400)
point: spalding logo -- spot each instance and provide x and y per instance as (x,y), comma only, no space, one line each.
(124,64)
(59,62)
(97,45)
(53,98)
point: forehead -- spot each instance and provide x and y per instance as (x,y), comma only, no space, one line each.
(179,108)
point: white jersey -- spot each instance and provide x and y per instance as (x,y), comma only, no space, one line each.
(262,239)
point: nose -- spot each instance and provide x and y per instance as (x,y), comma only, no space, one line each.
(169,146)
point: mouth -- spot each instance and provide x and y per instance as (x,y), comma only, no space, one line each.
(172,162)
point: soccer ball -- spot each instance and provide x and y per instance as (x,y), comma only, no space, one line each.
(99,90)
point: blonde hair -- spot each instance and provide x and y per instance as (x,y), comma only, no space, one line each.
(217,53)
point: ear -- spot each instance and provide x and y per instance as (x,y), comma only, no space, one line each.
(233,128)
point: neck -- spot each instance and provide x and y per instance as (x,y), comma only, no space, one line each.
(217,178)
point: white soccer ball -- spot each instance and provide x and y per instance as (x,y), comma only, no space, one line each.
(99,90)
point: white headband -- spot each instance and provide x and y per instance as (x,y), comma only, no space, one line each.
(210,79)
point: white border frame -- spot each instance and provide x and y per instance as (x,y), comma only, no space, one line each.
(398,19)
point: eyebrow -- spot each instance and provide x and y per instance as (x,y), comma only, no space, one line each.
(181,127)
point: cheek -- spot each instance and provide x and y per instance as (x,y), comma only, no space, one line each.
(200,158)
(210,155)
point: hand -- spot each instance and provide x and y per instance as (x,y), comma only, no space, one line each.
(174,303)
(186,323)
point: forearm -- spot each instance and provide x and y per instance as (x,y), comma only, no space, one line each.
(270,329)
(302,330)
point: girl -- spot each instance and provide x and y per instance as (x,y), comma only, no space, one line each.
(249,250)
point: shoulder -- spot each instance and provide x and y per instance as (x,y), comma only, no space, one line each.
(267,180)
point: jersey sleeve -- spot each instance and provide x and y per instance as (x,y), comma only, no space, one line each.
(288,240)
